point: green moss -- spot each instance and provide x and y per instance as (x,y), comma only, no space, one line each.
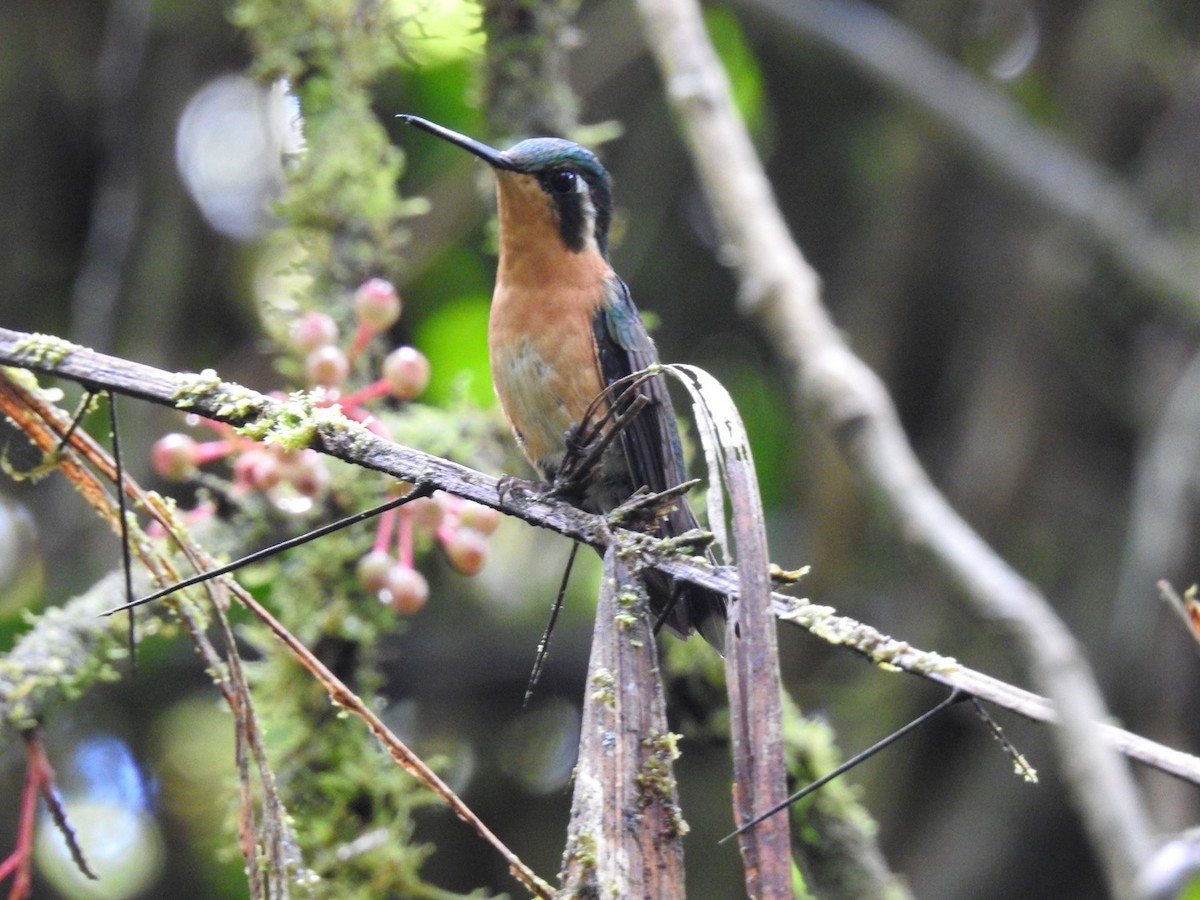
(44,349)
(66,651)
(627,598)
(885,651)
(624,621)
(192,388)
(342,202)
(583,847)
(656,778)
(830,825)
(604,684)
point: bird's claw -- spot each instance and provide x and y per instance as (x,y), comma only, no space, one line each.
(509,486)
(646,508)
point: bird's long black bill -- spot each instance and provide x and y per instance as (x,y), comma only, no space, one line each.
(490,155)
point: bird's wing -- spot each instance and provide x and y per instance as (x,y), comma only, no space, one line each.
(651,442)
(655,458)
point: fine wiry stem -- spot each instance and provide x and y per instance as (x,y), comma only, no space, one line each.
(123,528)
(956,696)
(267,552)
(543,647)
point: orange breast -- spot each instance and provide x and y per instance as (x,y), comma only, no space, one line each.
(540,339)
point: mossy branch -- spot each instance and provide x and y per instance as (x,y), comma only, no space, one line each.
(33,677)
(526,88)
(626,757)
(288,420)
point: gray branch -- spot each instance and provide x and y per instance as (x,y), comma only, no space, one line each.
(206,395)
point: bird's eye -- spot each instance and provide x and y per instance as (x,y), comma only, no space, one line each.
(562,181)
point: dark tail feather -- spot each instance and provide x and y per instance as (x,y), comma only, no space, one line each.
(688,607)
(706,613)
(685,608)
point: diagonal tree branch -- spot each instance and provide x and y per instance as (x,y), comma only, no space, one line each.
(347,441)
(782,290)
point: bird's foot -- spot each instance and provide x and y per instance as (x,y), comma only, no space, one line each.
(579,464)
(568,486)
(644,509)
(586,445)
(510,487)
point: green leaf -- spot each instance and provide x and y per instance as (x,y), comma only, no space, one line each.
(745,76)
(454,338)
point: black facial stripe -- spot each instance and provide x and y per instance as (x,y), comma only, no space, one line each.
(569,211)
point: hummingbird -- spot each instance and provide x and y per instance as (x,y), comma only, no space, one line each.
(562,329)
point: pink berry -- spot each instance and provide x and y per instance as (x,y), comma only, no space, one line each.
(327,367)
(481,518)
(373,569)
(266,472)
(287,456)
(312,331)
(376,305)
(406,370)
(407,589)
(258,469)
(466,549)
(243,468)
(173,456)
(309,475)
(426,513)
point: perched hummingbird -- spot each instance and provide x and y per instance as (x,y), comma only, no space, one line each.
(562,328)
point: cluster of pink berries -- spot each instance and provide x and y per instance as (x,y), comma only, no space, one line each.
(460,526)
(258,467)
(405,371)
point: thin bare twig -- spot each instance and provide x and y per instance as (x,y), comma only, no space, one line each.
(44,425)
(782,290)
(855,760)
(341,695)
(39,779)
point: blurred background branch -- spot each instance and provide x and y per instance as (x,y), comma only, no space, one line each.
(779,286)
(995,130)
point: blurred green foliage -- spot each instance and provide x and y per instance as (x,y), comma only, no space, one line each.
(741,65)
(451,336)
